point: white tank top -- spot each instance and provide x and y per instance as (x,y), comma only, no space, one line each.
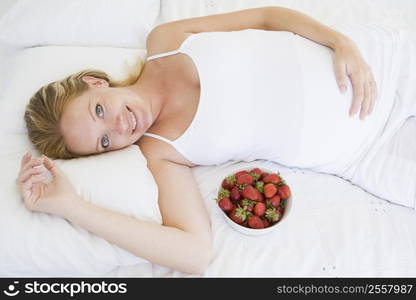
(247,80)
(273,95)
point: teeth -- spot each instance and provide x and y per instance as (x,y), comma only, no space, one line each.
(133,119)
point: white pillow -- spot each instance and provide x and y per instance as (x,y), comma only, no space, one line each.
(36,244)
(123,23)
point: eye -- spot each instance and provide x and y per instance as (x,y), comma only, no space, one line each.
(105,142)
(99,110)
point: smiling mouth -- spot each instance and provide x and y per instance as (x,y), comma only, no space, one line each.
(133,120)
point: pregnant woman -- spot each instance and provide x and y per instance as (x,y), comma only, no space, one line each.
(267,83)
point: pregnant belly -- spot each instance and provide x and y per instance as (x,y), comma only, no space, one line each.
(329,134)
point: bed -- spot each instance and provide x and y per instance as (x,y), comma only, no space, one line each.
(334,228)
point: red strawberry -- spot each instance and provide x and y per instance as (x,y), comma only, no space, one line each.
(284,191)
(238,174)
(229,182)
(248,205)
(238,215)
(264,174)
(257,171)
(245,223)
(225,204)
(223,193)
(272,178)
(260,196)
(266,223)
(270,190)
(255,222)
(235,194)
(275,201)
(245,179)
(249,192)
(259,209)
(272,215)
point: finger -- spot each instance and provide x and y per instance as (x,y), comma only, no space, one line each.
(28,184)
(341,76)
(26,158)
(365,105)
(37,178)
(358,93)
(34,162)
(51,166)
(26,175)
(31,190)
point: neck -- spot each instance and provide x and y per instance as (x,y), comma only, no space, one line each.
(148,88)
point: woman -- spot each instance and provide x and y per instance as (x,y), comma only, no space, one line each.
(227,72)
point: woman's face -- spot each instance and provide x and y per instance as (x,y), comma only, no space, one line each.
(104,119)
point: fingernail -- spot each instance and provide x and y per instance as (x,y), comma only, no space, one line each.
(343,88)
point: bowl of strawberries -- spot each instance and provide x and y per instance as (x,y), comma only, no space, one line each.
(254,201)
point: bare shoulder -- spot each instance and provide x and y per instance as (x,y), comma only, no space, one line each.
(165,38)
(154,149)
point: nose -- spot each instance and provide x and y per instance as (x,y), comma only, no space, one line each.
(121,124)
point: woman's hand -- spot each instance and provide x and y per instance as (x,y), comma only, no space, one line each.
(55,197)
(348,62)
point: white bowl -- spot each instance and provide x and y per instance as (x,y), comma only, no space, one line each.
(253,231)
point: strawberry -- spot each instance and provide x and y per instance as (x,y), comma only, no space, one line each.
(284,191)
(260,196)
(273,215)
(249,192)
(238,174)
(259,186)
(255,222)
(259,209)
(272,178)
(245,178)
(229,182)
(257,171)
(264,174)
(248,205)
(270,190)
(275,201)
(222,193)
(225,204)
(235,194)
(266,223)
(238,214)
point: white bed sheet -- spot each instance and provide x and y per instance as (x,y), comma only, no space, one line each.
(334,229)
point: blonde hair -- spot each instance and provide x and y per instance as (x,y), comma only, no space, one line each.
(45,108)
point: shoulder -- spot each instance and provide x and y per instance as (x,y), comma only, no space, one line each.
(153,149)
(156,150)
(165,38)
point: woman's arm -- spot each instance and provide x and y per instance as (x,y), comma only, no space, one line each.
(168,246)
(182,243)
(348,61)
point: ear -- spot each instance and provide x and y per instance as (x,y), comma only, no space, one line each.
(94,81)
